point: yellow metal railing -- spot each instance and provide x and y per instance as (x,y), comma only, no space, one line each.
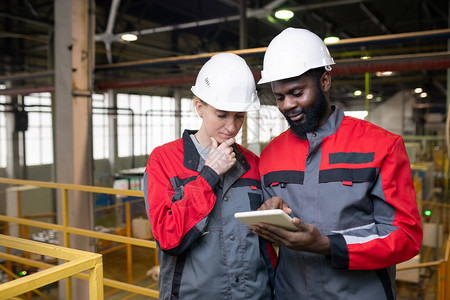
(66,230)
(442,265)
(77,261)
(443,274)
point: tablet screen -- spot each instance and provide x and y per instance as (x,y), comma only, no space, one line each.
(272,216)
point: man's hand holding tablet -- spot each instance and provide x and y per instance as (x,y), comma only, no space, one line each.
(272,216)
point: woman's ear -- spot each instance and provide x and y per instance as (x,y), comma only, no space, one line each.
(198,105)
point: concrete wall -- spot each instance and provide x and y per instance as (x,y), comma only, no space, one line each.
(394,114)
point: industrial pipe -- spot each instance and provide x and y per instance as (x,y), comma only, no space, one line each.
(409,62)
(440,33)
(424,61)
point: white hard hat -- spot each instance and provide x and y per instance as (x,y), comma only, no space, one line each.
(293,52)
(226,83)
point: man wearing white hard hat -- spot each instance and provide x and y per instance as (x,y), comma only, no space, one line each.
(195,184)
(346,183)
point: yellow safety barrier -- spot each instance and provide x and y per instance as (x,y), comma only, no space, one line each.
(443,277)
(77,261)
(67,230)
(442,265)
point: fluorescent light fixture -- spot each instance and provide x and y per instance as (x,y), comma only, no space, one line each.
(365,57)
(129,37)
(423,95)
(284,14)
(357,93)
(385,73)
(418,90)
(331,40)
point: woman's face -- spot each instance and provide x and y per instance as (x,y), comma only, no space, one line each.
(219,124)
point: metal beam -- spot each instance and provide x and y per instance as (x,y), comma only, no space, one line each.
(374,19)
(251,13)
(435,34)
(107,37)
(423,61)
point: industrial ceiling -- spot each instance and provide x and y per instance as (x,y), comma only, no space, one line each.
(175,37)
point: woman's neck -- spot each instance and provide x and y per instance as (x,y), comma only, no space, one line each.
(203,138)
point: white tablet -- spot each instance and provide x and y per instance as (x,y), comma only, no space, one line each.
(272,216)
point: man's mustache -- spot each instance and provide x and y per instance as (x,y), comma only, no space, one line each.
(289,113)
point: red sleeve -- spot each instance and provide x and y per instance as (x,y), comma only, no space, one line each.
(397,233)
(172,219)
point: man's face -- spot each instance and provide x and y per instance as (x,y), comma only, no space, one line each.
(302,102)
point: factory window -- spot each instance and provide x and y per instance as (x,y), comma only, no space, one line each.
(265,124)
(159,122)
(276,123)
(100,123)
(39,134)
(2,133)
(359,114)
(144,122)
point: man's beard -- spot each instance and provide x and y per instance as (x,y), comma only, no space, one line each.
(313,116)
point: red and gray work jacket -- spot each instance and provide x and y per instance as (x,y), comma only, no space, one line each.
(352,180)
(203,251)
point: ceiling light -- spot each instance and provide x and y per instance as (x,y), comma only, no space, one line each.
(331,40)
(129,37)
(357,93)
(284,14)
(369,96)
(423,95)
(385,73)
(418,90)
(365,57)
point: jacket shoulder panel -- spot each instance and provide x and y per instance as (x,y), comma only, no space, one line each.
(252,160)
(357,143)
(285,152)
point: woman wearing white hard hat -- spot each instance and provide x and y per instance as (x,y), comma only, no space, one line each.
(195,184)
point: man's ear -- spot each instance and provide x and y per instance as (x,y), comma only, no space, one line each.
(325,81)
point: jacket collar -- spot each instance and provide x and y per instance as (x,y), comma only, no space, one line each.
(330,127)
(192,157)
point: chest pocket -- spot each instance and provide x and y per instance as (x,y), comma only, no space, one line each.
(351,157)
(255,200)
(350,170)
(251,187)
(348,175)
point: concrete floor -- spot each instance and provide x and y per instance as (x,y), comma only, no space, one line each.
(115,268)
